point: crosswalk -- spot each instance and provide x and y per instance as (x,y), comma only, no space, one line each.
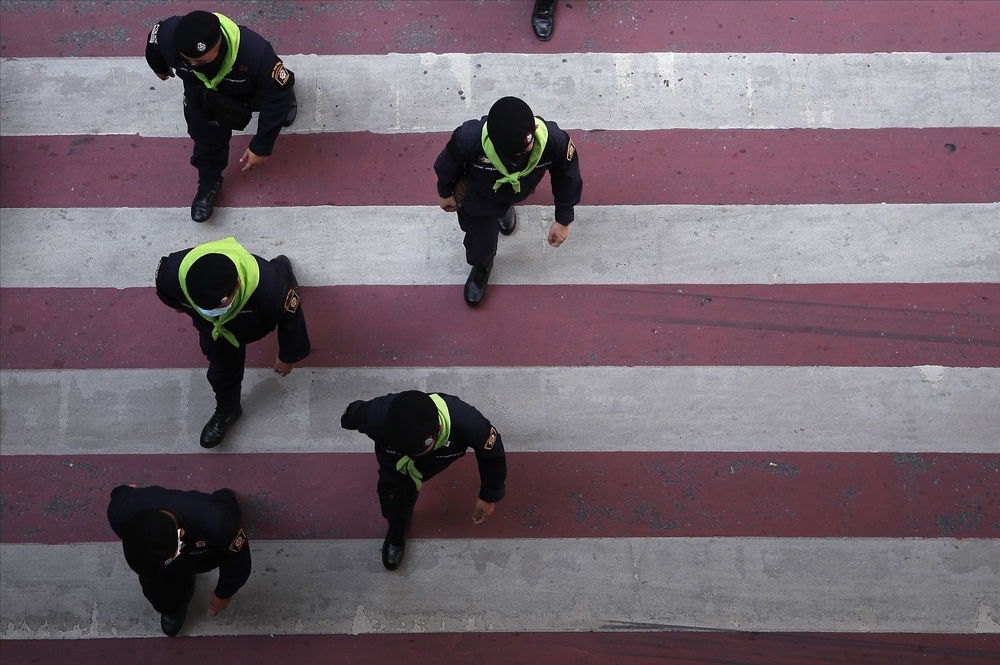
(755,392)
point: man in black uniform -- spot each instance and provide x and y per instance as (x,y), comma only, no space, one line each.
(169,536)
(494,162)
(228,71)
(234,298)
(416,437)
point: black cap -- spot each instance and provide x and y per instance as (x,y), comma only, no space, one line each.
(150,539)
(210,279)
(197,33)
(411,420)
(510,126)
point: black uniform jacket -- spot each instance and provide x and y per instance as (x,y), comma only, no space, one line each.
(274,303)
(464,156)
(212,534)
(258,76)
(469,429)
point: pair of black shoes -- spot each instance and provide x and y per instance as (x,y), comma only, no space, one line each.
(393,549)
(479,276)
(543,19)
(215,430)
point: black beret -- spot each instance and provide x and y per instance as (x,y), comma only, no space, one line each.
(197,33)
(510,126)
(412,418)
(210,279)
(150,539)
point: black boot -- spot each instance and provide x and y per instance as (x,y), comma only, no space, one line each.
(508,222)
(171,624)
(201,207)
(543,19)
(475,286)
(393,549)
(215,430)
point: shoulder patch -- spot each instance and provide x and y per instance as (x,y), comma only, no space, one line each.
(570,151)
(492,440)
(153,33)
(238,542)
(292,301)
(280,74)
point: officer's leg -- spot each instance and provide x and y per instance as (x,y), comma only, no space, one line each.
(481,234)
(210,157)
(169,594)
(397,495)
(225,374)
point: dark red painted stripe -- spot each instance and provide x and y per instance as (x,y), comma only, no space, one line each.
(625,648)
(936,165)
(871,325)
(549,495)
(33,28)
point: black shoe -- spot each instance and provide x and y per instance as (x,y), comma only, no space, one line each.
(292,112)
(201,207)
(393,549)
(171,624)
(475,286)
(508,222)
(543,19)
(215,430)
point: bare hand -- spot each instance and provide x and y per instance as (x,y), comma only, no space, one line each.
(482,511)
(168,75)
(253,161)
(216,604)
(282,368)
(557,233)
(449,204)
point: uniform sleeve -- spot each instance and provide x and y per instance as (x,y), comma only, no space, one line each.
(483,438)
(293,338)
(154,58)
(274,94)
(367,417)
(449,167)
(168,285)
(567,183)
(234,570)
(119,511)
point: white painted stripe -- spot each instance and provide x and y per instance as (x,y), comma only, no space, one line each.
(581,409)
(85,590)
(659,244)
(398,93)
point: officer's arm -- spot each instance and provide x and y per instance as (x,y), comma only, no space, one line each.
(274,90)
(367,417)
(567,183)
(168,287)
(236,563)
(293,338)
(154,58)
(449,166)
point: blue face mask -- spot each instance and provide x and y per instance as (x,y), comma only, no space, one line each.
(215,312)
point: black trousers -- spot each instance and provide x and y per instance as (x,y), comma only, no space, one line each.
(168,592)
(397,494)
(211,144)
(225,371)
(481,234)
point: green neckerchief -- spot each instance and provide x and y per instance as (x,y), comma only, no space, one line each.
(541,138)
(246,269)
(231,33)
(407,465)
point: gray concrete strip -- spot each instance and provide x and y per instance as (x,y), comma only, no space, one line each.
(397,93)
(85,590)
(775,409)
(654,244)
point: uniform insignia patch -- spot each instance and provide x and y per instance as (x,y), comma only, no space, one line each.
(291,301)
(570,151)
(200,543)
(280,74)
(238,542)
(485,160)
(153,34)
(490,442)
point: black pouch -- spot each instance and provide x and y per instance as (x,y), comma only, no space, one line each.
(229,112)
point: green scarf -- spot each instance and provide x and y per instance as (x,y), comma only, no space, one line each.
(231,33)
(246,269)
(541,137)
(407,465)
